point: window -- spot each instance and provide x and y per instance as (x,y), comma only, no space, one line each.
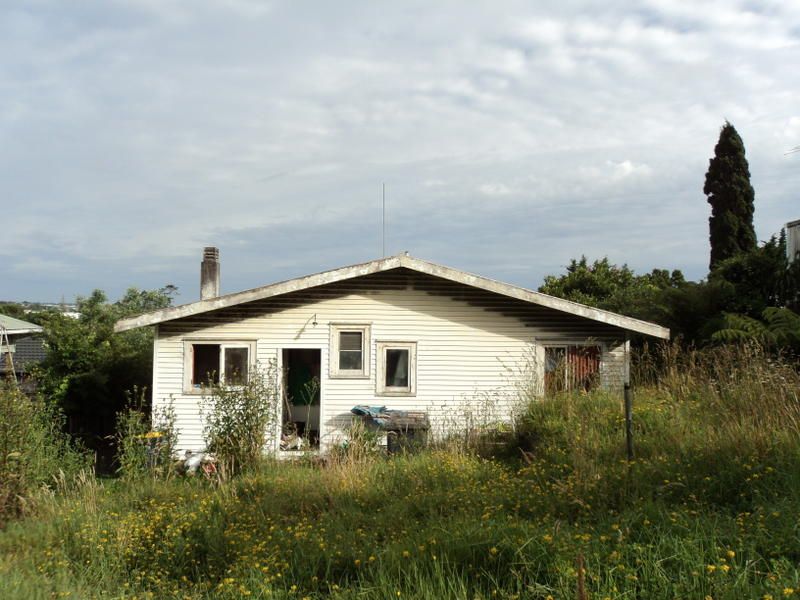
(397,369)
(571,367)
(210,363)
(349,350)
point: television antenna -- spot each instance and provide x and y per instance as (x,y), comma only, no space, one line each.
(383,220)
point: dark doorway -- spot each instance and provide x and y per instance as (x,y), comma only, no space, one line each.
(301,398)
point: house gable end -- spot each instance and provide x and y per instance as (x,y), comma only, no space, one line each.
(402,263)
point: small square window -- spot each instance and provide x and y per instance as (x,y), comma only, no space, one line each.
(211,363)
(397,369)
(349,350)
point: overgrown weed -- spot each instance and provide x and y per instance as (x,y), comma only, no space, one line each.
(145,443)
(240,420)
(32,449)
(708,508)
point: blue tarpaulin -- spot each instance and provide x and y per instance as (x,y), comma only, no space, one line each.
(380,415)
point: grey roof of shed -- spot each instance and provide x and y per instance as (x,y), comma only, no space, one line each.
(18,326)
(28,351)
(387,264)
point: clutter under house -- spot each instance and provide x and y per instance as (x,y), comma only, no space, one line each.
(405,429)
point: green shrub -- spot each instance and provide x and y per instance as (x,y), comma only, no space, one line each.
(34,452)
(241,420)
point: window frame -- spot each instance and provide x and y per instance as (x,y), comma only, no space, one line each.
(333,359)
(566,345)
(188,360)
(381,389)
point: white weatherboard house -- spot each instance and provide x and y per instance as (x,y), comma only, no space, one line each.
(398,332)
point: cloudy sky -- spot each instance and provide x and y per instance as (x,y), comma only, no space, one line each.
(511,136)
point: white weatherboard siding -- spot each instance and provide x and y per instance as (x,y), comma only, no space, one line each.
(473,349)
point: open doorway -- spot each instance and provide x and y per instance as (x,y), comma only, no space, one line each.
(301,398)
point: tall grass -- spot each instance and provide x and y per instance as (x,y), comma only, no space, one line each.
(34,453)
(710,422)
(708,508)
(743,385)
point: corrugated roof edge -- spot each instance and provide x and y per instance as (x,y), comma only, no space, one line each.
(387,264)
(17,326)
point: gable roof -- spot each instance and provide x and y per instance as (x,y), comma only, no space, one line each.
(18,326)
(387,264)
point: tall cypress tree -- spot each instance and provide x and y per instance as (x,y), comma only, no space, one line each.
(731,198)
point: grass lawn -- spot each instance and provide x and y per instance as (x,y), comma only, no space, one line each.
(710,508)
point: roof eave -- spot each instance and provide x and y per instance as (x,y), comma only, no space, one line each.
(595,314)
(275,289)
(24,331)
(385,264)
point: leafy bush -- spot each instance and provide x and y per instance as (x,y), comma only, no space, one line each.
(241,420)
(33,450)
(88,368)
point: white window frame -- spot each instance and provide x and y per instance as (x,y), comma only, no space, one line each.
(188,360)
(333,359)
(603,346)
(381,389)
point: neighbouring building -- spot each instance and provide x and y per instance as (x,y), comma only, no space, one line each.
(21,347)
(792,240)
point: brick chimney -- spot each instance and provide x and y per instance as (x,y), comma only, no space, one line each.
(209,273)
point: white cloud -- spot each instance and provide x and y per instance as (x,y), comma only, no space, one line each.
(626,168)
(141,131)
(495,189)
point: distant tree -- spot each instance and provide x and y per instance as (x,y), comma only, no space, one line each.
(88,369)
(758,276)
(12,309)
(611,287)
(751,295)
(731,198)
(588,284)
(695,310)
